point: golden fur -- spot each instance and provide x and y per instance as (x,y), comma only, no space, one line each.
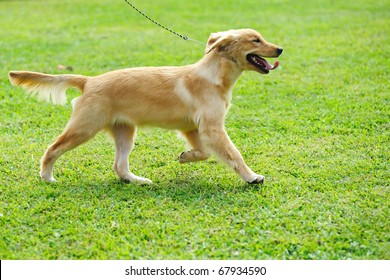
(193,99)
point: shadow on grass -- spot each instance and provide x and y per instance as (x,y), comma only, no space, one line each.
(177,190)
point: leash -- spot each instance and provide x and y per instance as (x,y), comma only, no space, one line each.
(186,38)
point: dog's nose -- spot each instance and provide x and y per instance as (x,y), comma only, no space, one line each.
(279,51)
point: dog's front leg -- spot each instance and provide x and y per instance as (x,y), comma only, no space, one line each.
(198,152)
(218,141)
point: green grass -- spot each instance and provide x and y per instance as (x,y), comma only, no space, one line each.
(318,128)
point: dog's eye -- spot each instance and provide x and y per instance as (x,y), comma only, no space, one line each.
(257,40)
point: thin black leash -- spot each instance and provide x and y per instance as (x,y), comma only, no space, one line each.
(186,38)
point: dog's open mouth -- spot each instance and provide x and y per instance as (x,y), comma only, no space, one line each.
(260,63)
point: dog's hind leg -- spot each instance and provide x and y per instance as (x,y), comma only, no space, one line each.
(198,152)
(124,136)
(77,132)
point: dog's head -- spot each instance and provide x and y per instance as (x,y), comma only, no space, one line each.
(246,47)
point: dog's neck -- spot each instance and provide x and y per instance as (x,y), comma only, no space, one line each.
(221,70)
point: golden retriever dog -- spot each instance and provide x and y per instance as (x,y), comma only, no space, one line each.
(193,99)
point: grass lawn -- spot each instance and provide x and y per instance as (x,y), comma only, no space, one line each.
(318,128)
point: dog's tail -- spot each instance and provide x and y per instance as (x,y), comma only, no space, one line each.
(51,88)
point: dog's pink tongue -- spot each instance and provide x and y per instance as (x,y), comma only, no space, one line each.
(268,65)
(275,65)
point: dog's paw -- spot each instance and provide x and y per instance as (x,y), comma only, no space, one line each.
(259,179)
(192,156)
(143,181)
(183,157)
(137,180)
(48,179)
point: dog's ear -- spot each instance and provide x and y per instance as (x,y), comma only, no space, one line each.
(218,40)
